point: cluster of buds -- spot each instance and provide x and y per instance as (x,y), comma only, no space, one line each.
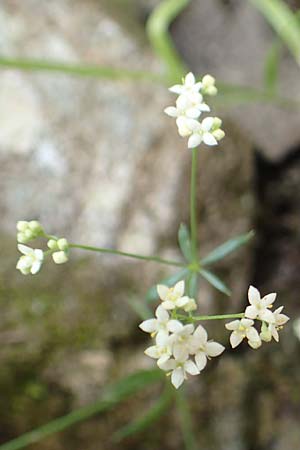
(182,349)
(179,348)
(259,309)
(189,107)
(32,259)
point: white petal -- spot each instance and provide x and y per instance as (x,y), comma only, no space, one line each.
(162,291)
(174,326)
(252,334)
(177,377)
(235,339)
(201,360)
(163,359)
(171,111)
(149,325)
(198,86)
(180,352)
(162,337)
(204,107)
(191,368)
(187,329)
(182,301)
(170,364)
(161,314)
(253,295)
(179,288)
(247,323)
(201,335)
(25,250)
(269,299)
(183,102)
(176,89)
(194,140)
(168,305)
(193,113)
(152,352)
(189,79)
(251,312)
(275,334)
(267,316)
(35,267)
(39,254)
(281,319)
(214,349)
(209,139)
(232,326)
(193,125)
(207,123)
(255,344)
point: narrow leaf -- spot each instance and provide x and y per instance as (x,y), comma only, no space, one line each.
(170,281)
(113,395)
(215,281)
(226,248)
(192,284)
(151,416)
(185,242)
(271,71)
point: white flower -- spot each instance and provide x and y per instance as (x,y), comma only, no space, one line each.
(162,351)
(179,370)
(190,106)
(272,329)
(204,349)
(162,325)
(31,260)
(206,131)
(60,257)
(188,85)
(243,329)
(172,297)
(182,340)
(258,308)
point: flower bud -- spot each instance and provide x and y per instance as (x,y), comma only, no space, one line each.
(265,333)
(52,244)
(218,134)
(22,225)
(35,226)
(21,238)
(60,257)
(208,81)
(190,306)
(62,244)
(217,123)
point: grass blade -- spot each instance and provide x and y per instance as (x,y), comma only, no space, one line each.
(185,242)
(214,281)
(113,395)
(228,247)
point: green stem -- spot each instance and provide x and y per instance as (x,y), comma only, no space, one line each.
(193,200)
(129,255)
(217,317)
(185,420)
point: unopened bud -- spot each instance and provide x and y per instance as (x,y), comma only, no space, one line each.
(60,257)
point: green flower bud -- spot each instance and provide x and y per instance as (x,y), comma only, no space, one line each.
(35,226)
(62,244)
(60,257)
(218,134)
(52,244)
(22,225)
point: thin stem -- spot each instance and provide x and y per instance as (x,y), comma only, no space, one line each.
(193,208)
(129,255)
(217,317)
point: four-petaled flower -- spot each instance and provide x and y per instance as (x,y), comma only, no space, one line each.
(259,307)
(172,297)
(242,329)
(31,260)
(279,321)
(179,370)
(204,349)
(162,325)
(188,86)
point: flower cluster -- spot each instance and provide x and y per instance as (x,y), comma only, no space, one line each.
(179,348)
(32,259)
(259,309)
(189,107)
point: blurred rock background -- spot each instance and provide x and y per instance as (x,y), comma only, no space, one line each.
(98,162)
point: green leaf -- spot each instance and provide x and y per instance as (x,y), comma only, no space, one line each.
(284,22)
(215,281)
(113,395)
(271,71)
(226,248)
(192,284)
(185,242)
(170,281)
(151,416)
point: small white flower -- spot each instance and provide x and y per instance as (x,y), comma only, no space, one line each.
(188,85)
(31,260)
(179,370)
(182,341)
(162,351)
(172,297)
(162,325)
(189,106)
(204,131)
(204,349)
(60,257)
(243,329)
(280,320)
(259,307)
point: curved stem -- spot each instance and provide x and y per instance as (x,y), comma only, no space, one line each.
(217,317)
(193,206)
(129,255)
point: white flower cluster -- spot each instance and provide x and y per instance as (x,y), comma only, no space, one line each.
(259,309)
(176,343)
(32,259)
(190,105)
